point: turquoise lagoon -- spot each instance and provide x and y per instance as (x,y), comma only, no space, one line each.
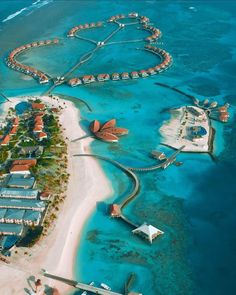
(193,204)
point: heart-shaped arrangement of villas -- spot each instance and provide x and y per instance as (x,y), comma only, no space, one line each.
(121,22)
(107,131)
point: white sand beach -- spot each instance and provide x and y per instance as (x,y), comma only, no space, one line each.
(56,252)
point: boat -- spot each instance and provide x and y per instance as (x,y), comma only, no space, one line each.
(104,286)
(85,292)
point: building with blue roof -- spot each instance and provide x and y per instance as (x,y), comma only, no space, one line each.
(32,217)
(14,215)
(20,216)
(7,242)
(26,204)
(2,214)
(20,181)
(11,229)
(19,193)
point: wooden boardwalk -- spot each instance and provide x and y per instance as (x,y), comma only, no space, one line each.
(81,286)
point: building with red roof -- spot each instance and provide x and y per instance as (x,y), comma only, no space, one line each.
(13,130)
(29,162)
(38,106)
(15,122)
(21,169)
(42,135)
(6,140)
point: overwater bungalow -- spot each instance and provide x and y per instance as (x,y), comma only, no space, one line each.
(143,73)
(103,77)
(88,79)
(133,15)
(115,76)
(151,71)
(74,82)
(134,75)
(125,76)
(115,210)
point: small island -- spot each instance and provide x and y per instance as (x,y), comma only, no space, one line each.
(188,126)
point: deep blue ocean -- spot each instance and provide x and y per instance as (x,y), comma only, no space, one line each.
(194,204)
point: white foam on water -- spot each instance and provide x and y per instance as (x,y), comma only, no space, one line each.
(35,5)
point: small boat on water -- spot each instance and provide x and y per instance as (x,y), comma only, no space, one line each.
(104,286)
(85,292)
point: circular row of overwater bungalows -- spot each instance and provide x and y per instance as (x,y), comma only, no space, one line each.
(156,33)
(166,63)
(17,66)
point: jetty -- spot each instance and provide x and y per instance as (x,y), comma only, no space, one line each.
(117,208)
(85,287)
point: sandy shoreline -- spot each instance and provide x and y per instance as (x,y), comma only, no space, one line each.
(87,185)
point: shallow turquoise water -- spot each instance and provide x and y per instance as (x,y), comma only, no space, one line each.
(193,204)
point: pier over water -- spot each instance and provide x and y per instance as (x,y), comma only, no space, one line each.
(118,207)
(85,287)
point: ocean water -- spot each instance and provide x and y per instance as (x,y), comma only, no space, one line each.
(193,204)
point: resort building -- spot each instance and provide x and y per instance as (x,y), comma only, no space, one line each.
(11,229)
(25,204)
(20,169)
(196,112)
(45,196)
(42,135)
(148,231)
(19,216)
(18,193)
(38,106)
(15,122)
(5,140)
(7,242)
(29,162)
(20,181)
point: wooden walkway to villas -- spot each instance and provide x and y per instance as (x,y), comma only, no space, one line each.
(135,179)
